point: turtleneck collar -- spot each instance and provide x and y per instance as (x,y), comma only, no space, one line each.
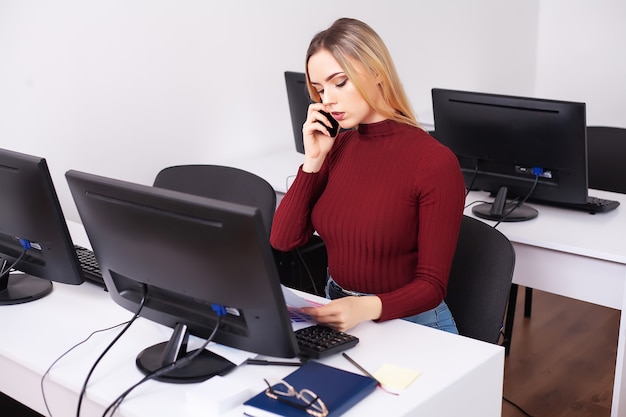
(384,128)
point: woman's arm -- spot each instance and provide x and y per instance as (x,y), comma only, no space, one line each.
(441,205)
(292,227)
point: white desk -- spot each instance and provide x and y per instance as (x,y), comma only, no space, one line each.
(577,255)
(563,252)
(460,376)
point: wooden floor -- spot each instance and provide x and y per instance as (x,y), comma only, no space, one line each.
(562,358)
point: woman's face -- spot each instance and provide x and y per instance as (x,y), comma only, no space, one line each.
(340,96)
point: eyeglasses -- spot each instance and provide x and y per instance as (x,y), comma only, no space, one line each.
(305,399)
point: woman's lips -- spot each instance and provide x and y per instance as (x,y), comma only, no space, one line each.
(339,116)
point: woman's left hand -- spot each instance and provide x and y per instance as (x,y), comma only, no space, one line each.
(344,313)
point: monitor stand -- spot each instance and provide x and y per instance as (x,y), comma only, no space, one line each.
(201,368)
(18,288)
(502,211)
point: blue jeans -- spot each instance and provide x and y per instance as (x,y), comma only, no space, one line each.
(439,317)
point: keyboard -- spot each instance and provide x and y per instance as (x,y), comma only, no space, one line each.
(319,341)
(89,265)
(593,205)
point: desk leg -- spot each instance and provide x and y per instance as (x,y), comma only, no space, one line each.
(618,406)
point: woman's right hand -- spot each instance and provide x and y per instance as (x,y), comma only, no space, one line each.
(317,140)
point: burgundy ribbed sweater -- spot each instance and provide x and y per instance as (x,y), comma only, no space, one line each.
(388,204)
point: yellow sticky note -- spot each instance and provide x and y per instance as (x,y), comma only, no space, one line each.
(395,378)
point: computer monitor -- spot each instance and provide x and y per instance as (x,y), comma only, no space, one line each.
(299,100)
(188,253)
(515,148)
(34,238)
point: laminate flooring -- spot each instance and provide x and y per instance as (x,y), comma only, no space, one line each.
(562,358)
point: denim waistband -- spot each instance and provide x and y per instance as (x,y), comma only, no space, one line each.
(331,282)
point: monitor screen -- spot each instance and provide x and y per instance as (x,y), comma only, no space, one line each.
(515,148)
(299,100)
(34,238)
(186,254)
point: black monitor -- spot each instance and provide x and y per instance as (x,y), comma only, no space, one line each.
(34,238)
(299,100)
(515,148)
(189,254)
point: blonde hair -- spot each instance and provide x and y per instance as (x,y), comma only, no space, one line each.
(350,38)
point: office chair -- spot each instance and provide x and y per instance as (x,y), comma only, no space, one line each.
(606,153)
(303,268)
(480,280)
(221,183)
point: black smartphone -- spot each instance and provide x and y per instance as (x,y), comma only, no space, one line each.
(334,124)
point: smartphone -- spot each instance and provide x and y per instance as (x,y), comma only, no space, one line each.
(334,124)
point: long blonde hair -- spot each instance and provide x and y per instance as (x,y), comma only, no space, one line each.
(351,38)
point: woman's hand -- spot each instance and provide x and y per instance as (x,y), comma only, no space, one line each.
(317,140)
(345,313)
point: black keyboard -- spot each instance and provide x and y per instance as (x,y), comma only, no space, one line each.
(89,265)
(593,205)
(319,341)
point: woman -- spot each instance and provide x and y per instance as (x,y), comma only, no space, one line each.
(385,197)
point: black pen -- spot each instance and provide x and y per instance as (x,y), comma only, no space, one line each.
(353,362)
(264,362)
(380,384)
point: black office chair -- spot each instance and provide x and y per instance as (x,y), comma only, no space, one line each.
(303,268)
(606,153)
(221,183)
(480,280)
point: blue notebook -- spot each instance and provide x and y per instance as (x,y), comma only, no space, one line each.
(339,390)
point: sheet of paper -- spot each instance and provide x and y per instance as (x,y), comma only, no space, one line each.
(294,300)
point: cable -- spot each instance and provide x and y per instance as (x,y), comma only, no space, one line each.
(5,272)
(93,367)
(306,268)
(477,202)
(112,408)
(473,180)
(520,203)
(287,181)
(43,394)
(516,406)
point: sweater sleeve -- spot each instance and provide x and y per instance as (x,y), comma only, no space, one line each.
(292,227)
(441,195)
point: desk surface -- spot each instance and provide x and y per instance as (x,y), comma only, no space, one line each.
(35,334)
(594,235)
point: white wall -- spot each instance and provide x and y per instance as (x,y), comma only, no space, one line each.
(582,56)
(123,88)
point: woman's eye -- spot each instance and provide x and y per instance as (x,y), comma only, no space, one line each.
(341,84)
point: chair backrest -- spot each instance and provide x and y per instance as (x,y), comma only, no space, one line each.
(221,183)
(606,153)
(480,280)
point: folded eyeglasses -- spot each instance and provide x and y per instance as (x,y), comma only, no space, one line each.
(305,399)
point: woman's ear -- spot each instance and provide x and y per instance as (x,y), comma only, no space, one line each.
(377,78)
